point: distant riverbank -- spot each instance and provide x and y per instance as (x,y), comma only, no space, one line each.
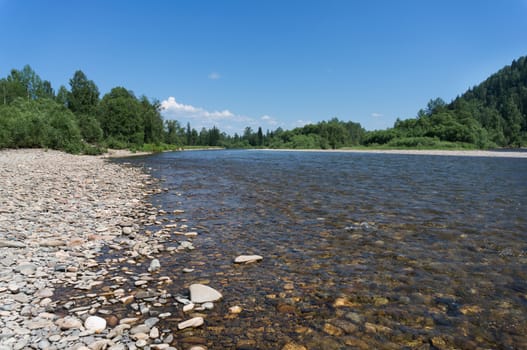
(457,153)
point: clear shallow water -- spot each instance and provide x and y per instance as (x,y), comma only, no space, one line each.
(360,250)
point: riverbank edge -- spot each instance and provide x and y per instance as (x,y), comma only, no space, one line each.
(456,153)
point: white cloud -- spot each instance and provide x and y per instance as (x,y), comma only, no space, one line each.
(376,115)
(300,122)
(269,120)
(200,117)
(172,106)
(214,76)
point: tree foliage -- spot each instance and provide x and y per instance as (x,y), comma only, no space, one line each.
(39,123)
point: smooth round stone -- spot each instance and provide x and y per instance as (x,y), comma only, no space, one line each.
(200,293)
(246,259)
(235,309)
(95,324)
(54,338)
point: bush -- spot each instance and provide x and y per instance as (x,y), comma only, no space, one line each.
(90,128)
(39,123)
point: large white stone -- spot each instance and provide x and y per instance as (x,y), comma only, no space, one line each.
(245,259)
(193,322)
(200,293)
(95,324)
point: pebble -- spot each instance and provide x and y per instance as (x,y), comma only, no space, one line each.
(208,305)
(154,333)
(188,307)
(235,309)
(69,322)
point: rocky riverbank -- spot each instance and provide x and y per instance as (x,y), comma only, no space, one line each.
(58,213)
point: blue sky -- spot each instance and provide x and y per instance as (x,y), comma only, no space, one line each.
(269,63)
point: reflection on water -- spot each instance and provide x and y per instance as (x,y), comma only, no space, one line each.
(361,250)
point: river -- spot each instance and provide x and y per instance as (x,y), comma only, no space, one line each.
(360,250)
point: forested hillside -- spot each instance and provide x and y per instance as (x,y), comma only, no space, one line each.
(491,114)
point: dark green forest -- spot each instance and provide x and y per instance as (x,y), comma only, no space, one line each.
(78,120)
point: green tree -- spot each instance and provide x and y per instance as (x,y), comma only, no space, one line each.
(260,137)
(62,96)
(189,135)
(152,120)
(84,94)
(120,117)
(173,132)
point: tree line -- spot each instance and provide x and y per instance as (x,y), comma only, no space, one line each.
(78,120)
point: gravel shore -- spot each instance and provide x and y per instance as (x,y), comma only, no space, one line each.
(57,213)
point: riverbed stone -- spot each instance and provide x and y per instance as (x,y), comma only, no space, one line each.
(26,269)
(69,322)
(95,324)
(246,259)
(193,322)
(200,293)
(154,266)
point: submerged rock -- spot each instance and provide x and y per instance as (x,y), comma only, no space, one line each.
(155,265)
(200,293)
(193,322)
(246,259)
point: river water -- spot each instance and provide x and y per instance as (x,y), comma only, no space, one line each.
(360,250)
